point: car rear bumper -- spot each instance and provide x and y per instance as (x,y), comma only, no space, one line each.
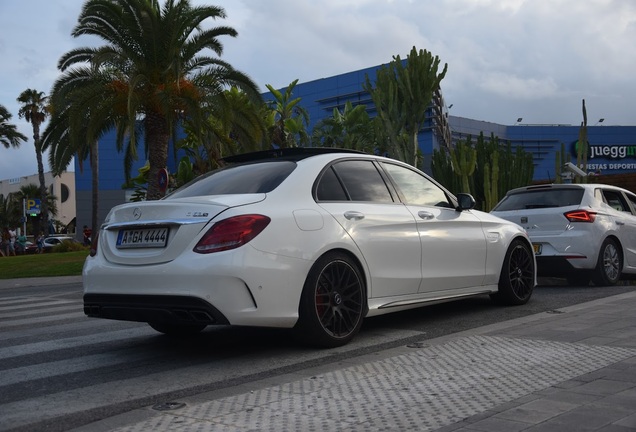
(152,308)
(241,287)
(559,266)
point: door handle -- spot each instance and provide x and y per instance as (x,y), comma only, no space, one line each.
(353,215)
(425,215)
(620,223)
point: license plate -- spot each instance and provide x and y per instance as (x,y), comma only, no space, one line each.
(143,238)
(537,248)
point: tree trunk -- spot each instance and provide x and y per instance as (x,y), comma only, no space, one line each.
(44,208)
(157,139)
(95,185)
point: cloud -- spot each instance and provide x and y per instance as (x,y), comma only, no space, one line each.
(518,88)
(535,59)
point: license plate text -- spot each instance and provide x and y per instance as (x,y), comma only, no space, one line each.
(142,238)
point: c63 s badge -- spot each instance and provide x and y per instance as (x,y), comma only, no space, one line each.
(197,214)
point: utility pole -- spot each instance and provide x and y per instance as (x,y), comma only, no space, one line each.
(24,216)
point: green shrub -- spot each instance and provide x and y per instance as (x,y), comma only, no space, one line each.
(69,246)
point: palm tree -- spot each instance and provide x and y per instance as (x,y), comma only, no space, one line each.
(235,125)
(31,191)
(9,135)
(13,206)
(5,210)
(288,120)
(163,77)
(84,107)
(34,110)
(349,129)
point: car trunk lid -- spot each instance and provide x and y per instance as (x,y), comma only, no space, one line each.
(155,232)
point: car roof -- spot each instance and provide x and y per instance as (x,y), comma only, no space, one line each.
(564,186)
(293,153)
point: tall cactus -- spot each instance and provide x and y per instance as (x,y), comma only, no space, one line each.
(581,148)
(491,182)
(521,170)
(442,168)
(485,148)
(559,161)
(464,160)
(513,169)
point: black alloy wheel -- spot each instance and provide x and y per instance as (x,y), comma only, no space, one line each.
(333,302)
(516,282)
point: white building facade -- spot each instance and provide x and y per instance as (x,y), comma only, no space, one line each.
(62,187)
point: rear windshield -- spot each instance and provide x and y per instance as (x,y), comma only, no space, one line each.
(261,177)
(543,198)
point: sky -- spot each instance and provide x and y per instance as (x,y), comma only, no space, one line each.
(507,59)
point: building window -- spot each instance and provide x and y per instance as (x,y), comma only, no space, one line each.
(65,192)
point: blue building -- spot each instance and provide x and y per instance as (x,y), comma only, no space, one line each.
(612,148)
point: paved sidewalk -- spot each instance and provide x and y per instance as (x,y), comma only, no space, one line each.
(572,369)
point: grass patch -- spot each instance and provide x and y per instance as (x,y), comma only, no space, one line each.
(42,265)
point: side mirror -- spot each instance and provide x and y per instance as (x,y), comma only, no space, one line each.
(465,202)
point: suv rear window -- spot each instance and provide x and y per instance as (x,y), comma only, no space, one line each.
(543,198)
(261,177)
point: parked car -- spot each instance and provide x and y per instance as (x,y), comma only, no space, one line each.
(315,239)
(582,232)
(49,244)
(27,246)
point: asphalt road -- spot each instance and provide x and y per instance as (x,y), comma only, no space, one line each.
(60,370)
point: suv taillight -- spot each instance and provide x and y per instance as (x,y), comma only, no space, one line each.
(580,216)
(231,233)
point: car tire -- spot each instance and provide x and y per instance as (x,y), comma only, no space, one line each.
(610,264)
(177,329)
(333,302)
(516,281)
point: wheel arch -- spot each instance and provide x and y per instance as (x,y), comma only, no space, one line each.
(526,240)
(362,268)
(613,237)
(600,277)
(517,280)
(620,246)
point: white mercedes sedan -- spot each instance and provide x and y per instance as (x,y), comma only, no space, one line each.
(305,238)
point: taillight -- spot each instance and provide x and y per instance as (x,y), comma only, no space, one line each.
(231,233)
(580,216)
(93,250)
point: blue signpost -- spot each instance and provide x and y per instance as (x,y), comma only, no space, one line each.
(31,207)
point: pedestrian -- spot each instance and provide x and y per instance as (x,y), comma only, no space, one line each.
(7,243)
(20,243)
(39,242)
(87,235)
(12,237)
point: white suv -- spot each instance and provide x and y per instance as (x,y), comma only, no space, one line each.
(581,232)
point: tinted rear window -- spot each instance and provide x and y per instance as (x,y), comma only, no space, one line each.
(544,198)
(259,177)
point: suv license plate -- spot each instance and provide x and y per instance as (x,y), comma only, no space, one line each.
(537,248)
(143,238)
